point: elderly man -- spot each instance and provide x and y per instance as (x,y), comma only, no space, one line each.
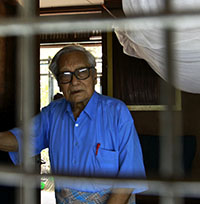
(87,134)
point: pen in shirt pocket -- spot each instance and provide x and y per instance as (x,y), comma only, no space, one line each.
(97,148)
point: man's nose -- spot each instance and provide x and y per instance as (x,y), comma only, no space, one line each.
(74,80)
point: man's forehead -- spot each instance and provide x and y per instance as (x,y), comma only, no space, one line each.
(75,58)
(73,54)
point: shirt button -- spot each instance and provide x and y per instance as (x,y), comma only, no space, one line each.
(76,143)
(76,125)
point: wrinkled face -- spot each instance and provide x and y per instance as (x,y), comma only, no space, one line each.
(77,91)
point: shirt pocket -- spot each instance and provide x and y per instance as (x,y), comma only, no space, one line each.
(106,163)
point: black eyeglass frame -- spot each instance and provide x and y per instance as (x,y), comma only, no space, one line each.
(74,73)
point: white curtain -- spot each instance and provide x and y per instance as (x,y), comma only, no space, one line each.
(149,43)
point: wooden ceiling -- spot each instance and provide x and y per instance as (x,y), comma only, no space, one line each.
(108,7)
(61,3)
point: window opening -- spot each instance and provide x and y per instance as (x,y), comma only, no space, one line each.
(48,84)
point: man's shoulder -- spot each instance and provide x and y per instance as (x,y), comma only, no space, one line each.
(56,105)
(108,99)
(114,107)
(109,102)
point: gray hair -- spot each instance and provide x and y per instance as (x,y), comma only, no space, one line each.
(54,63)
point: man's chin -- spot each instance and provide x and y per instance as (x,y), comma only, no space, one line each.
(79,100)
(76,98)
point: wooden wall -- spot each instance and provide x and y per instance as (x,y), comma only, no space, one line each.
(7,75)
(147,122)
(7,93)
(8,90)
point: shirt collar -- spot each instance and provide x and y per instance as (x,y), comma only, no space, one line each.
(90,108)
(68,108)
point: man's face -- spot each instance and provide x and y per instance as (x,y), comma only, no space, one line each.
(77,91)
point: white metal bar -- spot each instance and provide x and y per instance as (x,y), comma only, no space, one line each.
(170,160)
(158,187)
(170,146)
(29,26)
(26,79)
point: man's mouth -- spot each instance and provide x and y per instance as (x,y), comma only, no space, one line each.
(75,92)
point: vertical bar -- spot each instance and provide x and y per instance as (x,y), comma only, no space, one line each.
(170,127)
(110,64)
(27,104)
(26,101)
(50,83)
(171,200)
(51,87)
(171,164)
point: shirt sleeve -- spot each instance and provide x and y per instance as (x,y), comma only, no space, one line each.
(38,135)
(130,154)
(17,156)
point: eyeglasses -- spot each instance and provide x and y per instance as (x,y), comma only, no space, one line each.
(80,73)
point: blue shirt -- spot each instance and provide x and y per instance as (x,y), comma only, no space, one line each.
(73,143)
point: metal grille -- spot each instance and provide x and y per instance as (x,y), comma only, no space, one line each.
(171,187)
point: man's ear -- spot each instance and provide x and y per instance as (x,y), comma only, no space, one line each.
(95,77)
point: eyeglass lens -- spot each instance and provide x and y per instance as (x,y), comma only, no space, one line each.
(82,73)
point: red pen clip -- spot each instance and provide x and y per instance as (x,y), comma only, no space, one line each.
(97,148)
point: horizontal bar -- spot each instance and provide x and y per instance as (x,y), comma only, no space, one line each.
(151,108)
(68,24)
(13,177)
